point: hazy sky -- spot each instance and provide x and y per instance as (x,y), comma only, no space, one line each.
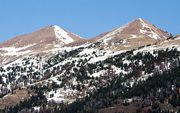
(86,18)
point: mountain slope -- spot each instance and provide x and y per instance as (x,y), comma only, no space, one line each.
(133,35)
(88,75)
(37,42)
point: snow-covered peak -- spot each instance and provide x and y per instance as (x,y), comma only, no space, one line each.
(62,35)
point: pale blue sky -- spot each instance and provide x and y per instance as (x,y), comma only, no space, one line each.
(86,18)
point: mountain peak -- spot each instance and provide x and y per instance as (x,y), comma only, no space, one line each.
(135,34)
(42,40)
(62,35)
(141,19)
(46,36)
(142,27)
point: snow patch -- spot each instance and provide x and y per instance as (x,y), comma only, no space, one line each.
(36,108)
(133,36)
(62,35)
(61,95)
(98,74)
(10,51)
(148,31)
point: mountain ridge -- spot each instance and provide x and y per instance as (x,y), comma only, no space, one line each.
(40,41)
(132,35)
(129,67)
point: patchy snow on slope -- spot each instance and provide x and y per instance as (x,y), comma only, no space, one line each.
(109,36)
(96,59)
(87,51)
(144,77)
(98,74)
(16,50)
(62,35)
(130,82)
(118,30)
(154,47)
(55,79)
(55,96)
(118,70)
(105,41)
(61,95)
(147,30)
(107,54)
(133,36)
(37,109)
(126,62)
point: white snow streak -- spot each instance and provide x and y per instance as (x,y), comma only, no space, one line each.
(62,35)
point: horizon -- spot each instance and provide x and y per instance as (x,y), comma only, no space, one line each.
(86,19)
